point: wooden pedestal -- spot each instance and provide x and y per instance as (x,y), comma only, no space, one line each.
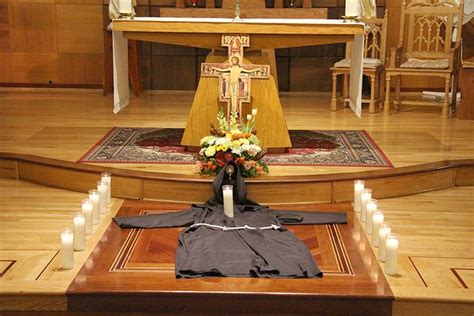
(466,110)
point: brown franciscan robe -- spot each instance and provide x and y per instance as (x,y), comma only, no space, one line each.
(210,251)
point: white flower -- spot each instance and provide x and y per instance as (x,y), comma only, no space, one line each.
(254,112)
(249,117)
(208,140)
(221,141)
(210,151)
(237,151)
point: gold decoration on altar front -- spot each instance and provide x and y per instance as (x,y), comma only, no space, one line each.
(234,76)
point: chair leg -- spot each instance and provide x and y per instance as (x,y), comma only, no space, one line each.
(397,105)
(372,94)
(455,91)
(381,89)
(386,104)
(333,106)
(447,87)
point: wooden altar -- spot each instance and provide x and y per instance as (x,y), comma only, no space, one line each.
(264,34)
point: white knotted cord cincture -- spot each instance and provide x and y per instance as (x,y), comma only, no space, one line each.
(225,228)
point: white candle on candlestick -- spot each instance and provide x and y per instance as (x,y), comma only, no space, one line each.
(391,255)
(102,189)
(106,177)
(358,187)
(67,248)
(377,219)
(370,208)
(95,200)
(79,232)
(352,7)
(365,196)
(384,231)
(87,211)
(228,194)
(125,6)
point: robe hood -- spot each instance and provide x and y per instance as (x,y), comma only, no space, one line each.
(236,180)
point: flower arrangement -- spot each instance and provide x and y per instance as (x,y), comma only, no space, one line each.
(232,141)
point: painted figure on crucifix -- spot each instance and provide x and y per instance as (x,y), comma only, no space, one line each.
(234,76)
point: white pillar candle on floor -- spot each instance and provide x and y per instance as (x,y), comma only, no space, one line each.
(87,211)
(377,219)
(365,196)
(370,208)
(95,200)
(105,177)
(358,187)
(228,194)
(79,232)
(125,6)
(352,7)
(102,189)
(67,248)
(384,231)
(391,255)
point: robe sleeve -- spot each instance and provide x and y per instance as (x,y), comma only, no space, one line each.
(302,218)
(172,219)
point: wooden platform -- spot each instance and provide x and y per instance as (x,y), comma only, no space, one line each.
(139,264)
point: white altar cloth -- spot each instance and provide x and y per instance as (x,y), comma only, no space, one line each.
(120,55)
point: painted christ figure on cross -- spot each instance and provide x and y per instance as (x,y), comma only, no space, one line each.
(234,77)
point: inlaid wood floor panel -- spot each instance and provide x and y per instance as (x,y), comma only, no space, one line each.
(139,263)
(436,253)
(64,124)
(32,216)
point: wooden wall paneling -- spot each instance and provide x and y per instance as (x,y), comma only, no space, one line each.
(311,73)
(80,2)
(4,28)
(279,193)
(388,187)
(187,192)
(75,180)
(34,68)
(173,72)
(464,176)
(8,169)
(5,67)
(80,29)
(81,68)
(32,27)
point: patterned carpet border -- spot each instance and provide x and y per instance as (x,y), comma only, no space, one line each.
(339,148)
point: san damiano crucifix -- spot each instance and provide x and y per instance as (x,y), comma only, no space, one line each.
(234,76)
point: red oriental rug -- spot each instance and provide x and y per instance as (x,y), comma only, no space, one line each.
(310,148)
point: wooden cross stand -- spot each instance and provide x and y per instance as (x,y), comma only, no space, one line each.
(234,76)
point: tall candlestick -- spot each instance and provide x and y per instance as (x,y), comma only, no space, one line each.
(371,207)
(67,248)
(102,189)
(352,7)
(358,187)
(391,254)
(106,177)
(384,231)
(227,191)
(95,200)
(377,219)
(79,232)
(365,196)
(125,6)
(87,211)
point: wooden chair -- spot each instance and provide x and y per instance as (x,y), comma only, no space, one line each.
(426,48)
(375,37)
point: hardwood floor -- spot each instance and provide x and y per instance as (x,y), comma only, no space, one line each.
(64,124)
